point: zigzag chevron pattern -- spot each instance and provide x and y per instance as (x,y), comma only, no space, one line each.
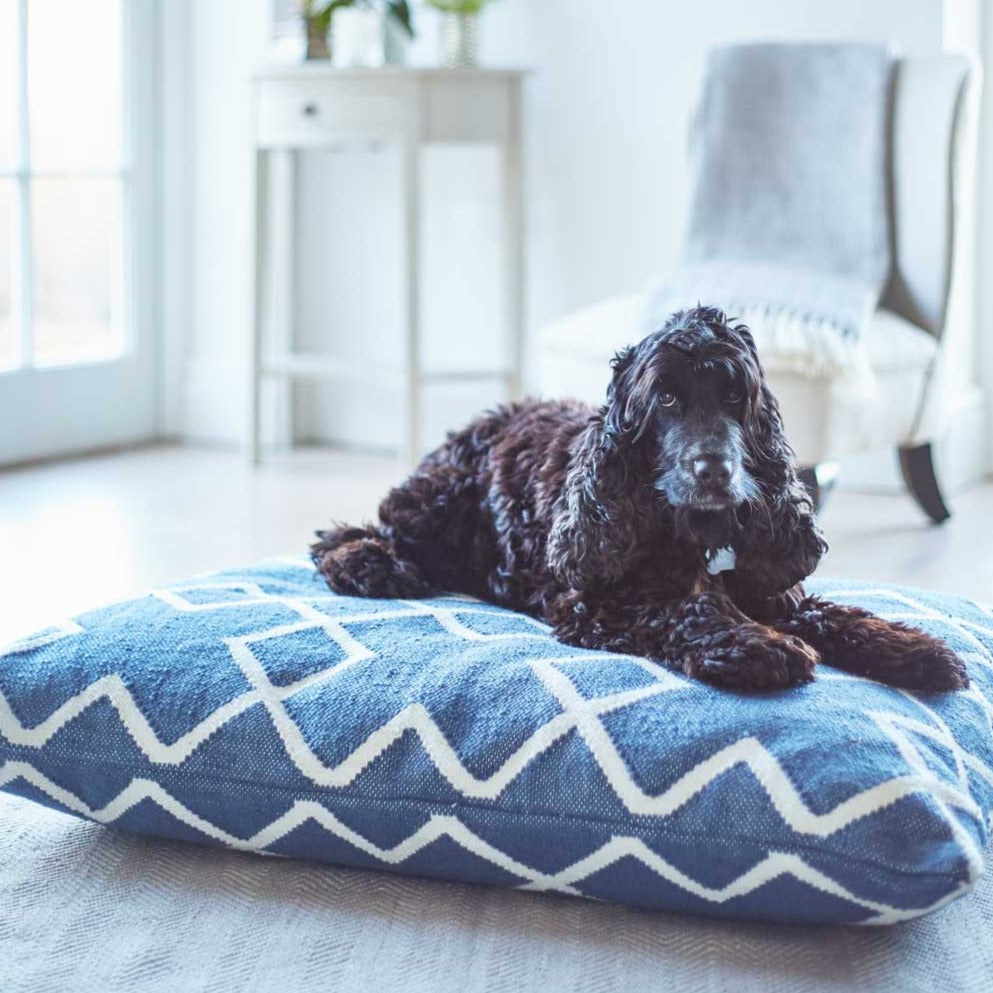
(287,657)
(773,866)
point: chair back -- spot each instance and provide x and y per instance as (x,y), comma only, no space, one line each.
(930,167)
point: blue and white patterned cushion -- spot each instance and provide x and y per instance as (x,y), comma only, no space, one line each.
(451,739)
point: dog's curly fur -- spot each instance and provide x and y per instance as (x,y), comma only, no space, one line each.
(577,516)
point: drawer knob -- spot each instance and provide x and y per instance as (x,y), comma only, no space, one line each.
(310,109)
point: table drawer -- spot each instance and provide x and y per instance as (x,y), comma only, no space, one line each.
(469,110)
(299,113)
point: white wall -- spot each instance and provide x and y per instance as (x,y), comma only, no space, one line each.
(227,41)
(607,106)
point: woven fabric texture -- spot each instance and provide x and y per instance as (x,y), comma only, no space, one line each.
(451,739)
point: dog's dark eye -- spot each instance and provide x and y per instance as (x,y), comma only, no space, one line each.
(734,397)
(668,399)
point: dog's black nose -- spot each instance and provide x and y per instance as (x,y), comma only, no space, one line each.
(712,470)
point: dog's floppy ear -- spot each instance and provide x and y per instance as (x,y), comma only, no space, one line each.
(781,543)
(615,412)
(764,412)
(620,363)
(630,398)
(595,528)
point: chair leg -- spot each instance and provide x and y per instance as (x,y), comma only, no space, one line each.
(819,480)
(917,466)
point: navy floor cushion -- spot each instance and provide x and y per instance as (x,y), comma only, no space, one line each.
(451,739)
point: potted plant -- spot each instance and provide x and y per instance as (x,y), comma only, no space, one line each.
(317,22)
(459,31)
(317,15)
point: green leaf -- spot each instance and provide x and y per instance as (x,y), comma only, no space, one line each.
(458,6)
(399,10)
(321,15)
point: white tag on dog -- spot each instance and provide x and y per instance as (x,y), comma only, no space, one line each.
(722,560)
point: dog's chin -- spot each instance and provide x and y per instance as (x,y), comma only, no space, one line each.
(707,528)
(703,502)
(711,503)
(709,519)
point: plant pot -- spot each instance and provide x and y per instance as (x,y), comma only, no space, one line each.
(396,43)
(359,38)
(317,39)
(459,34)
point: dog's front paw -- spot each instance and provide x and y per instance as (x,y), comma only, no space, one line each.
(915,661)
(754,659)
(943,670)
(864,644)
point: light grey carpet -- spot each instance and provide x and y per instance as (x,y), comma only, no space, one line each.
(91,911)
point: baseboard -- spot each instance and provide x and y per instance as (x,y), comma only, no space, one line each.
(962,452)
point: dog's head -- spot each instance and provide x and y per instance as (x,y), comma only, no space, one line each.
(692,435)
(692,395)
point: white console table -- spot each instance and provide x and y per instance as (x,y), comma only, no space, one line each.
(312,106)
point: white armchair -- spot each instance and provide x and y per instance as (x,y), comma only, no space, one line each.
(930,186)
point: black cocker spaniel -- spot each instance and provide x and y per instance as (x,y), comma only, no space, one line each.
(668,524)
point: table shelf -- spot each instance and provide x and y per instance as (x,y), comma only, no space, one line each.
(325,367)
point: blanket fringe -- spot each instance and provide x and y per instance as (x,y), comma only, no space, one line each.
(804,344)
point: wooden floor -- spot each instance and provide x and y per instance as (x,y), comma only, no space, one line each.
(75,534)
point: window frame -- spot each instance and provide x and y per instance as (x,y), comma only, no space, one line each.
(136,20)
(100,403)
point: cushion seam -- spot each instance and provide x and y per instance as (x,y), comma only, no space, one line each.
(637,820)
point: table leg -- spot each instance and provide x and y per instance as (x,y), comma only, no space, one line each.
(258,308)
(412,237)
(514,235)
(281,246)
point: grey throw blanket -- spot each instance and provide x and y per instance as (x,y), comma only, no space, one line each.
(788,224)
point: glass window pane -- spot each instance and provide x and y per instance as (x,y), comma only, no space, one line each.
(8,333)
(76,240)
(8,83)
(74,83)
